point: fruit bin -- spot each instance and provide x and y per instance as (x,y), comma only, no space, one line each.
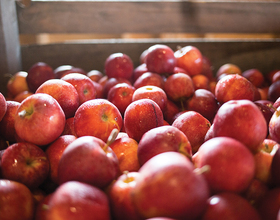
(259,19)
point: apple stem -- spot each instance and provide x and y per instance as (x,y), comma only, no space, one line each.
(22,113)
(274,149)
(275,109)
(201,170)
(112,137)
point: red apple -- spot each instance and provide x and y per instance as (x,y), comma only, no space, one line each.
(254,76)
(42,208)
(64,93)
(179,87)
(37,74)
(207,69)
(3,106)
(138,71)
(54,152)
(227,205)
(194,126)
(25,163)
(75,201)
(69,128)
(201,82)
(167,186)
(120,199)
(234,87)
(267,109)
(97,117)
(151,92)
(95,75)
(125,149)
(21,96)
(17,84)
(249,128)
(227,69)
(274,126)
(275,164)
(170,111)
(273,91)
(180,70)
(118,65)
(141,116)
(121,96)
(160,59)
(7,124)
(232,165)
(276,76)
(83,84)
(39,119)
(190,59)
(67,69)
(163,139)
(88,159)
(149,79)
(16,201)
(112,82)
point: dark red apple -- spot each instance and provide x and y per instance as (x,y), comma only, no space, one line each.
(273,91)
(254,76)
(149,79)
(3,106)
(138,71)
(67,69)
(227,69)
(170,111)
(274,126)
(108,84)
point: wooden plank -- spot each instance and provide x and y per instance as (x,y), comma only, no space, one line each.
(117,17)
(262,54)
(10,57)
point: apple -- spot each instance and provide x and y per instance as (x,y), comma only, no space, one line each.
(168,186)
(88,159)
(21,96)
(95,75)
(179,87)
(25,163)
(17,84)
(274,105)
(276,76)
(54,152)
(234,87)
(125,149)
(274,169)
(189,58)
(207,69)
(39,119)
(163,139)
(112,82)
(273,126)
(180,70)
(16,201)
(121,96)
(120,199)
(64,93)
(231,121)
(42,208)
(273,91)
(201,81)
(151,92)
(37,74)
(232,165)
(203,102)
(7,124)
(3,106)
(118,65)
(97,117)
(227,69)
(149,79)
(170,111)
(141,116)
(83,84)
(74,200)
(228,205)
(138,71)
(160,59)
(69,128)
(63,70)
(194,126)
(255,76)
(266,109)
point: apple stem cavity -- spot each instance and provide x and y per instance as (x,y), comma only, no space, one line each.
(201,170)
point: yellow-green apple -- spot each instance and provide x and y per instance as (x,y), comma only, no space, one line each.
(7,124)
(141,116)
(138,71)
(189,58)
(125,149)
(69,127)
(88,159)
(228,205)
(3,106)
(16,201)
(243,121)
(64,93)
(83,84)
(269,206)
(170,111)
(255,76)
(37,74)
(194,126)
(121,96)
(112,82)
(234,87)
(201,81)
(54,152)
(151,92)
(149,79)
(263,160)
(97,117)
(17,84)
(168,186)
(95,75)
(39,119)
(224,174)
(21,96)
(74,200)
(118,65)
(160,59)
(120,199)
(163,139)
(25,163)
(179,87)
(226,69)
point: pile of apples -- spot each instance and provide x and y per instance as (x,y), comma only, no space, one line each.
(166,140)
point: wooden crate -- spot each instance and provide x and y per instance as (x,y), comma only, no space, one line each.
(208,25)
